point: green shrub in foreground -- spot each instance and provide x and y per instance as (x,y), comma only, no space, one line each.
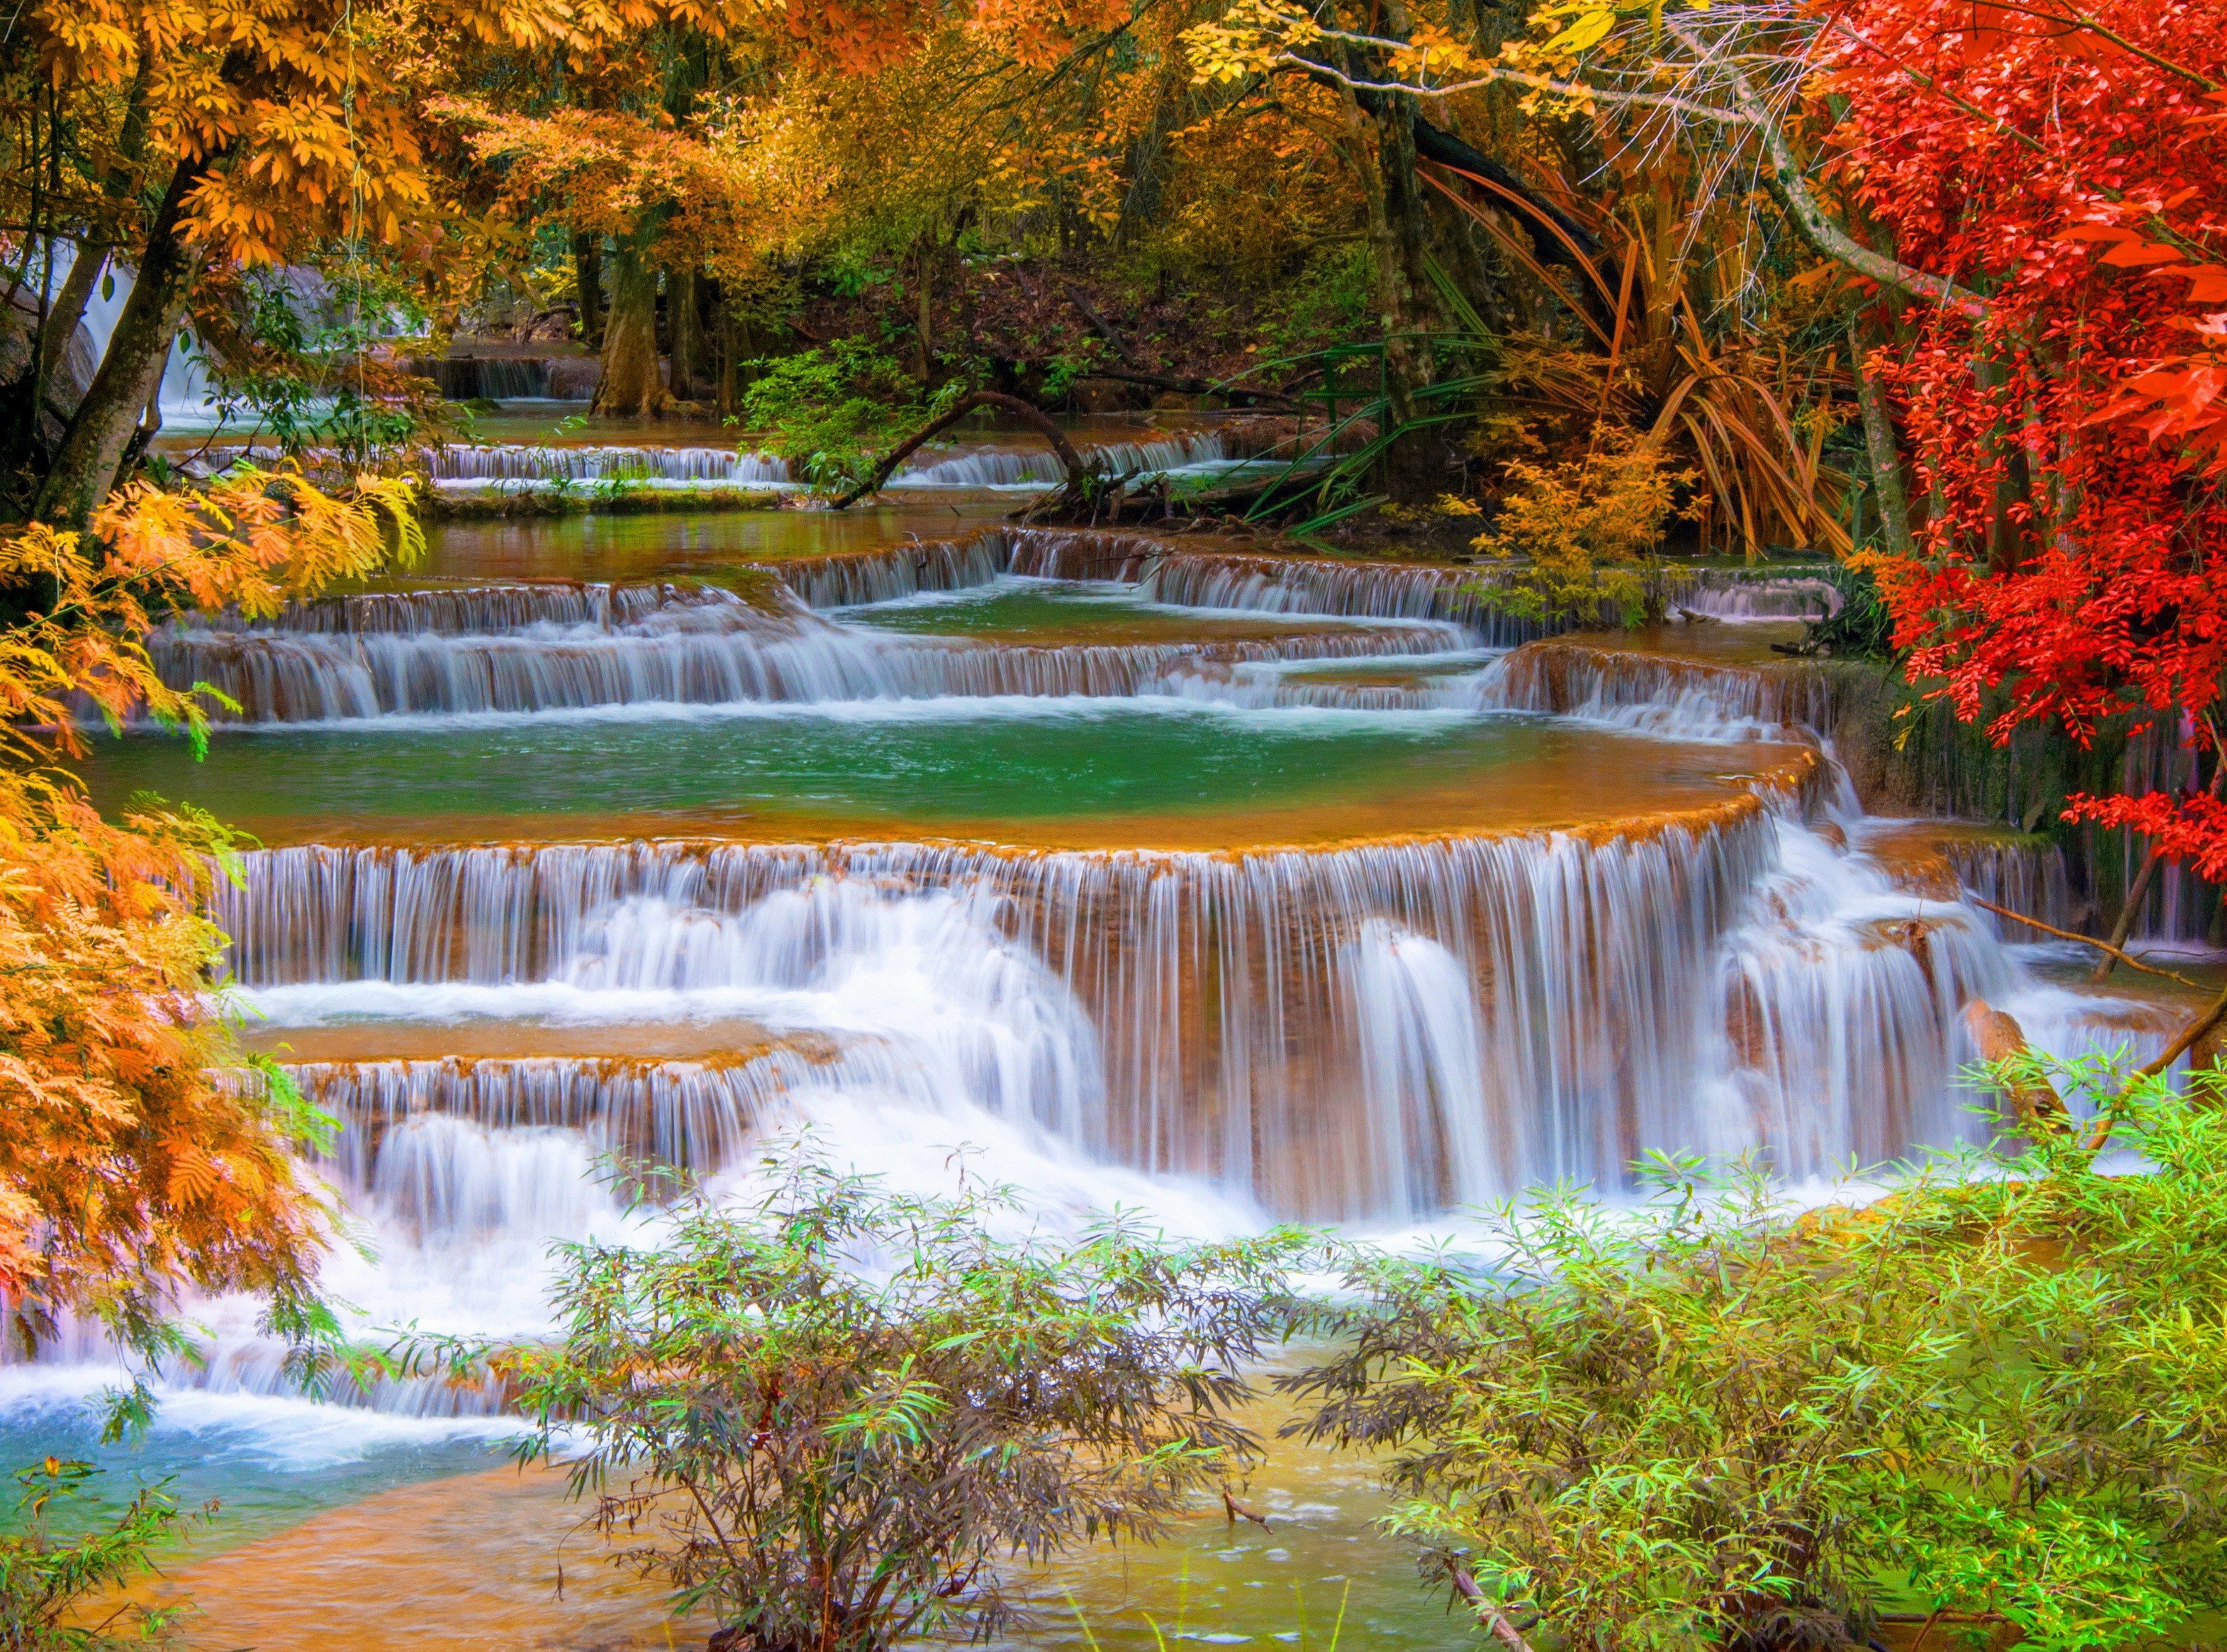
(826,1418)
(48,1576)
(1997,1398)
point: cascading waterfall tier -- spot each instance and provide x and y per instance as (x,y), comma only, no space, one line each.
(456,462)
(1233,580)
(535,648)
(1372,1032)
(695,1116)
(1662,694)
(1735,594)
(480,464)
(1005,467)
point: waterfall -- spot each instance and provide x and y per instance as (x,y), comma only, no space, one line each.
(1222,989)
(1420,1040)
(1237,581)
(1366,1033)
(696,1116)
(1738,594)
(2025,875)
(1371,1033)
(525,648)
(496,378)
(1839,1010)
(1001,468)
(1284,585)
(1659,694)
(456,463)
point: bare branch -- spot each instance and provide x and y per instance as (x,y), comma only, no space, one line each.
(1789,185)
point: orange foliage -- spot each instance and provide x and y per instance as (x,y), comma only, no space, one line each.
(738,184)
(137,1157)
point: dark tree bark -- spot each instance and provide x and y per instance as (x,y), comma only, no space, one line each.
(1399,238)
(630,384)
(95,248)
(588,278)
(86,466)
(1883,452)
(70,303)
(924,279)
(1028,413)
(690,354)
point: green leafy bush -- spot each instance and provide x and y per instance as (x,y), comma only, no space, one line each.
(303,363)
(826,1419)
(49,1578)
(826,408)
(1996,1398)
(1861,627)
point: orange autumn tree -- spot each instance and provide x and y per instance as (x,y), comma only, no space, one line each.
(712,145)
(142,1152)
(173,144)
(720,192)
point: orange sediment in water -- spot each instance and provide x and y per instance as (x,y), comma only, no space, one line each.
(1587,802)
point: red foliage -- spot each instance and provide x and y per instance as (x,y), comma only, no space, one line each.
(2068,167)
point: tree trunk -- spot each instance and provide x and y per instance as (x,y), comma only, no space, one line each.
(85,469)
(70,303)
(2130,914)
(630,384)
(588,280)
(731,338)
(1885,453)
(1399,235)
(925,271)
(690,357)
(94,249)
(1028,413)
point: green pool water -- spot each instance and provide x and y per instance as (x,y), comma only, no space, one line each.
(1080,772)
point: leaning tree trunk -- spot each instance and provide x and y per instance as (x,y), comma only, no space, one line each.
(1880,447)
(630,384)
(70,303)
(1028,413)
(85,469)
(93,249)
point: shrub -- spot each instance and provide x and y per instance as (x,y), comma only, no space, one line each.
(826,406)
(45,1579)
(1998,1397)
(827,1416)
(1588,527)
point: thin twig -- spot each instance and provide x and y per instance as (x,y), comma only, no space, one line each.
(2125,958)
(2194,1031)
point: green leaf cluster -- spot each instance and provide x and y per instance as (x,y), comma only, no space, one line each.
(1995,1400)
(65,1552)
(826,408)
(826,1417)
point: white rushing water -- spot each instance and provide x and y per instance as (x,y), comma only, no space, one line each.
(463,467)
(1375,1034)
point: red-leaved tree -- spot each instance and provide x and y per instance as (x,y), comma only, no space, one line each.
(2067,170)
